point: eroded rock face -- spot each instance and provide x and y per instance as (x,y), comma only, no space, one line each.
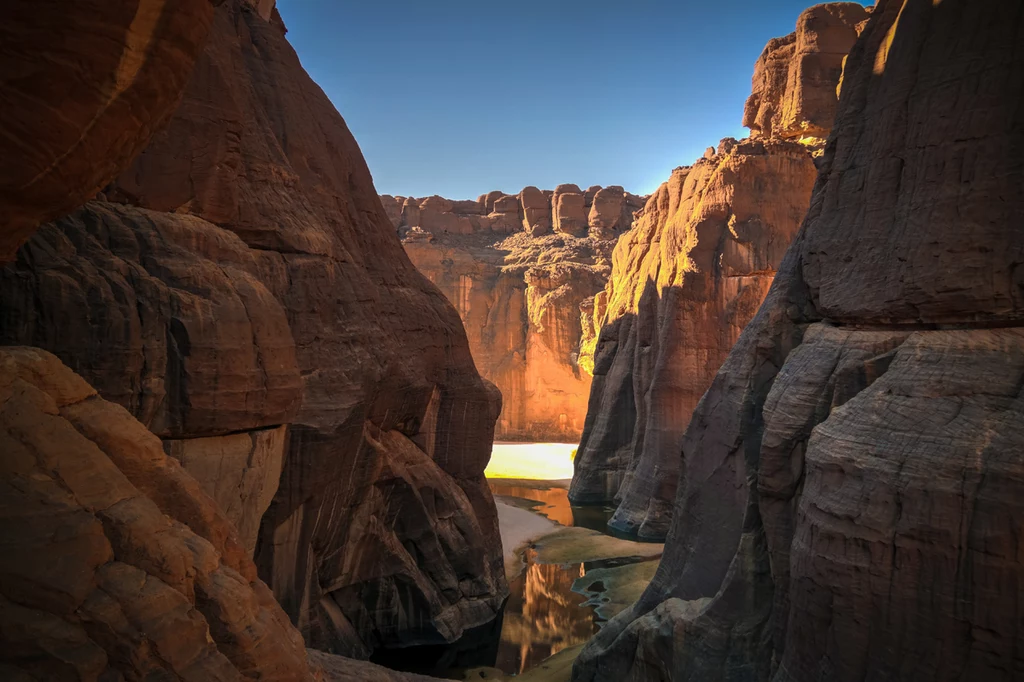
(116,562)
(853,477)
(131,61)
(689,276)
(520,296)
(670,314)
(793,88)
(240,290)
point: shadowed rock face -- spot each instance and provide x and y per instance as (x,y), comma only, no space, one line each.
(691,273)
(241,292)
(519,288)
(85,84)
(853,478)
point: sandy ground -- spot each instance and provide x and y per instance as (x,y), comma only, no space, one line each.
(536,461)
(519,527)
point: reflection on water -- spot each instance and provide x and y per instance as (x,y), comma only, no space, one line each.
(542,616)
(553,502)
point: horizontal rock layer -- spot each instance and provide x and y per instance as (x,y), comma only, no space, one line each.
(520,294)
(602,212)
(853,476)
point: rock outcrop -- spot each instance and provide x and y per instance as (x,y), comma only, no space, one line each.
(794,86)
(686,280)
(117,73)
(240,291)
(518,269)
(115,561)
(853,479)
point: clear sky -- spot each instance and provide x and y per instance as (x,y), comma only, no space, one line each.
(460,97)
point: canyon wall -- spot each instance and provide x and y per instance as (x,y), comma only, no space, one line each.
(518,268)
(853,480)
(117,73)
(240,291)
(694,269)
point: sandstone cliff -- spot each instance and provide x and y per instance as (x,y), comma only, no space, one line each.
(240,291)
(116,564)
(84,86)
(691,273)
(853,479)
(518,269)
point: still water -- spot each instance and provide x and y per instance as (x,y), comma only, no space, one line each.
(542,615)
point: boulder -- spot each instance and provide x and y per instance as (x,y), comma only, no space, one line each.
(568,211)
(536,212)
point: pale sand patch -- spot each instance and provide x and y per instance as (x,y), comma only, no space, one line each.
(518,527)
(610,591)
(570,545)
(531,461)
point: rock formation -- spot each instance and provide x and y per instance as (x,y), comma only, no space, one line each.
(691,274)
(793,94)
(853,479)
(239,290)
(116,564)
(518,268)
(130,65)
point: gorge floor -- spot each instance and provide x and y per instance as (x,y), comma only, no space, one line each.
(567,575)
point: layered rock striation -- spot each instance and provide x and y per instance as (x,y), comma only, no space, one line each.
(518,268)
(692,272)
(240,291)
(853,478)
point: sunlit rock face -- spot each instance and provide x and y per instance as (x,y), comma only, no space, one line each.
(116,564)
(240,290)
(793,90)
(518,269)
(853,477)
(685,281)
(117,70)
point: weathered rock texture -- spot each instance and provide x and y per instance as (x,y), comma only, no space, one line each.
(854,478)
(519,287)
(686,280)
(793,95)
(84,86)
(240,291)
(116,565)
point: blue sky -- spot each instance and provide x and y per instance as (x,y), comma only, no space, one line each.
(460,97)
